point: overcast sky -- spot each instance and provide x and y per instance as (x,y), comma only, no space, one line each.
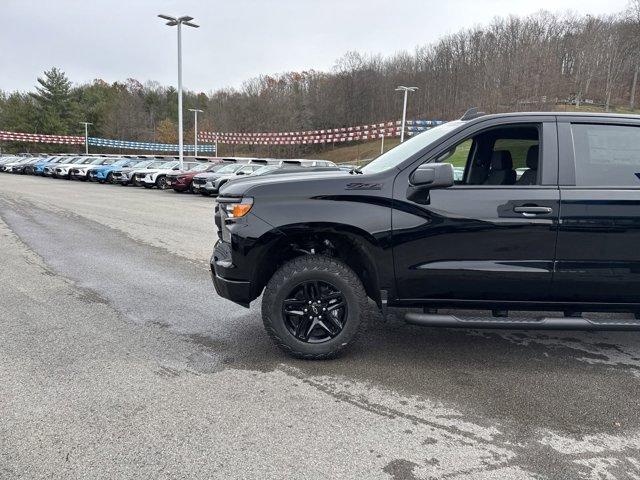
(238,39)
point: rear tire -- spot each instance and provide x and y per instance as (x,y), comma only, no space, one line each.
(336,327)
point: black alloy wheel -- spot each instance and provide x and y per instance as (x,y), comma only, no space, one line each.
(314,307)
(314,311)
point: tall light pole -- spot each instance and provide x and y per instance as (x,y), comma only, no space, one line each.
(195,130)
(406,90)
(172,22)
(86,136)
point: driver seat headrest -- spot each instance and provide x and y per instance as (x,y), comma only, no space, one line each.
(501,160)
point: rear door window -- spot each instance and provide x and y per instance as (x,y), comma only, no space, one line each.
(606,155)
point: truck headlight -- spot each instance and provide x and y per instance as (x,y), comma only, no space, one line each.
(237,208)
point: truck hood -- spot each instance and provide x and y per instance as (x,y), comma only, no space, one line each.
(241,185)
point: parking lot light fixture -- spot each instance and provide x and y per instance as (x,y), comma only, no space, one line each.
(86,136)
(406,90)
(172,22)
(195,130)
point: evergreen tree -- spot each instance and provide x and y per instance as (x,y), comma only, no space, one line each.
(57,110)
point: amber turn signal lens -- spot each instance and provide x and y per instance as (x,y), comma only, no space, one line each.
(240,209)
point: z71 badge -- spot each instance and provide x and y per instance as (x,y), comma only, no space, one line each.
(364,186)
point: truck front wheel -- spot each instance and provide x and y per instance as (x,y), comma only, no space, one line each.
(313,307)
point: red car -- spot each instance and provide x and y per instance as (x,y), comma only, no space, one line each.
(181,181)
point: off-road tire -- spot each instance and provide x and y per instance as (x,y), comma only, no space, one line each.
(321,268)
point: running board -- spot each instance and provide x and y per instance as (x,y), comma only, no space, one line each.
(542,323)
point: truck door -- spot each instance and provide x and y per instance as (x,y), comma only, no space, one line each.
(492,235)
(598,256)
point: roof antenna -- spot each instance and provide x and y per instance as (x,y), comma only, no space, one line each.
(472,113)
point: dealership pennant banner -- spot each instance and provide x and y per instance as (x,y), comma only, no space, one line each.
(37,138)
(309,137)
(332,135)
(162,147)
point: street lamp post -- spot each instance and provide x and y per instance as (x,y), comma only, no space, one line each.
(86,136)
(195,130)
(406,90)
(172,22)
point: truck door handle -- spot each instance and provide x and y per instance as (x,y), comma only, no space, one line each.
(532,211)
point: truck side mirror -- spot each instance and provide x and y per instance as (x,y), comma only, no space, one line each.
(433,175)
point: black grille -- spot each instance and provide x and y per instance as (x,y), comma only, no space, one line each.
(199,181)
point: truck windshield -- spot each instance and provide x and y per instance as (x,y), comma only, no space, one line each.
(399,154)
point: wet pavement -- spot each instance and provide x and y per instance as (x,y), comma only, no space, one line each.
(109,320)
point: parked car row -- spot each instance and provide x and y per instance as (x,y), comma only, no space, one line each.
(201,175)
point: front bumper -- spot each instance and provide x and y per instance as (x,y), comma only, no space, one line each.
(77,175)
(238,291)
(147,181)
(197,187)
(95,176)
(210,188)
(178,186)
(121,178)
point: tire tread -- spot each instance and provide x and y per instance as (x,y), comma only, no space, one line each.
(304,264)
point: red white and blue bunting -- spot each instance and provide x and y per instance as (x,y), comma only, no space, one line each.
(331,135)
(37,138)
(159,147)
(309,137)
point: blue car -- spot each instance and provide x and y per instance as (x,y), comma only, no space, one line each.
(104,173)
(38,168)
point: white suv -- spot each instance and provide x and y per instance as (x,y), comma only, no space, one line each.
(158,177)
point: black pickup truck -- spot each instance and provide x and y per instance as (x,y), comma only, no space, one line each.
(507,214)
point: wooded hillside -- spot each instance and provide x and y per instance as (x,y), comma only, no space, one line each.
(541,62)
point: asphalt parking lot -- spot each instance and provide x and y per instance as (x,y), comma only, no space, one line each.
(118,360)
